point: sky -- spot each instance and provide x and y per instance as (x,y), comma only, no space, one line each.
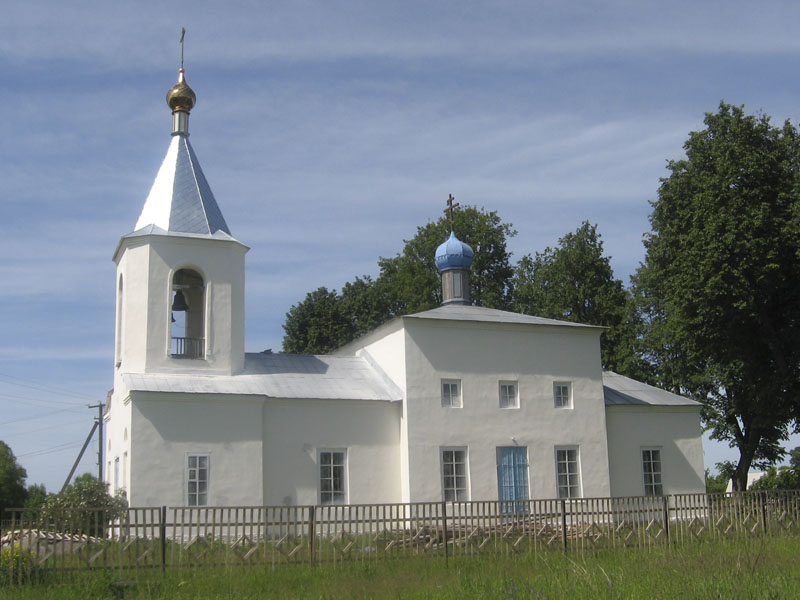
(329,131)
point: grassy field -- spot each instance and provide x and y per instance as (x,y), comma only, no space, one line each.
(756,568)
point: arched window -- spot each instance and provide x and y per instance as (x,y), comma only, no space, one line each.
(188,315)
(118,357)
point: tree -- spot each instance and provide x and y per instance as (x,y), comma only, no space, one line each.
(575,282)
(85,506)
(716,484)
(411,277)
(782,478)
(720,284)
(408,283)
(317,324)
(12,480)
(36,495)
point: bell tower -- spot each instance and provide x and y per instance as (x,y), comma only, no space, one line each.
(180,273)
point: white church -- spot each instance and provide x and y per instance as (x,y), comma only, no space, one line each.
(456,403)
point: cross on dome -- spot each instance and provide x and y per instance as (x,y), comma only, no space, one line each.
(451,206)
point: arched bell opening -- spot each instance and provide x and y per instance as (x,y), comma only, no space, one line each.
(118,340)
(187,307)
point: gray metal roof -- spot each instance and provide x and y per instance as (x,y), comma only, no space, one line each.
(281,376)
(619,390)
(465,312)
(181,199)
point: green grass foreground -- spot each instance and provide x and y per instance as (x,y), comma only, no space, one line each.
(756,568)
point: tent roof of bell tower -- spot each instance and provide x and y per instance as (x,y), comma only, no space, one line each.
(181,200)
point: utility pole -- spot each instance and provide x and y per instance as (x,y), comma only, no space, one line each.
(99,422)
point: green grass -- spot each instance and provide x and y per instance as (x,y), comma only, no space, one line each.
(756,568)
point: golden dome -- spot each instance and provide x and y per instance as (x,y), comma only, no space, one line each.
(180,96)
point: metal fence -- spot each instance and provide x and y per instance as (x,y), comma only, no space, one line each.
(56,543)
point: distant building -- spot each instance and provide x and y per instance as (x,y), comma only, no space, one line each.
(456,403)
(752,477)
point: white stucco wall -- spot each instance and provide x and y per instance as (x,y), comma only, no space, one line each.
(388,352)
(168,426)
(117,444)
(481,355)
(296,430)
(675,430)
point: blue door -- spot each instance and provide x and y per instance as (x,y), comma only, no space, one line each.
(512,476)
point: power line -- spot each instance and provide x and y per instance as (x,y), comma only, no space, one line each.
(26,399)
(29,431)
(51,450)
(53,412)
(41,387)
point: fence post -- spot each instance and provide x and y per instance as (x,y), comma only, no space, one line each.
(163,535)
(764,495)
(665,501)
(444,532)
(312,527)
(564,523)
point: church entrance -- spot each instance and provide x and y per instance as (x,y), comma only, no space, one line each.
(512,475)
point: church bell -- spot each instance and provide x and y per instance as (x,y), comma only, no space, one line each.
(179,302)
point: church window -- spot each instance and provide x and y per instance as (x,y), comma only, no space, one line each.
(508,394)
(124,468)
(116,474)
(562,394)
(332,477)
(651,467)
(118,358)
(198,467)
(187,322)
(568,475)
(455,480)
(451,393)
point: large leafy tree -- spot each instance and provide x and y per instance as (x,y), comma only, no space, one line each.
(408,283)
(12,480)
(720,285)
(575,282)
(317,324)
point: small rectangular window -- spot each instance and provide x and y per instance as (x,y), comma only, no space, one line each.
(455,484)
(508,394)
(562,394)
(457,293)
(651,466)
(451,393)
(197,477)
(332,474)
(568,474)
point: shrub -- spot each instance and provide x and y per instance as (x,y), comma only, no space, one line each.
(15,565)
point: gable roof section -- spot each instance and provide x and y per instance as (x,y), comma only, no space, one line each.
(619,390)
(290,376)
(464,312)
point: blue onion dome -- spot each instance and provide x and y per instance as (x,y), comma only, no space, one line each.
(453,254)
